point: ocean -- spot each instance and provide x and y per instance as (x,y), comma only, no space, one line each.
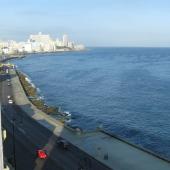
(125,91)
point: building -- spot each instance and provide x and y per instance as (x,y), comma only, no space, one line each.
(42,43)
(43,38)
(27,47)
(59,43)
(79,47)
(71,45)
(5,50)
(65,40)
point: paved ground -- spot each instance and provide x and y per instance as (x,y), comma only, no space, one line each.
(121,156)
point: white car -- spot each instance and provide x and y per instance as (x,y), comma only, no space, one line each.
(8,97)
(10,101)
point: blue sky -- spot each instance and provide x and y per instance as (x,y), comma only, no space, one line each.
(92,22)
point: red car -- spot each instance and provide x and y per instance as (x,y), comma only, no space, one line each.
(41,154)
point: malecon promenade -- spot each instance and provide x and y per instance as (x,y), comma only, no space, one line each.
(101,150)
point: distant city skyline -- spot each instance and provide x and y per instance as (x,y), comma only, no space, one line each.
(39,43)
(93,23)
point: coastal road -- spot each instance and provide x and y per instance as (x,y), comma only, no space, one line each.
(25,136)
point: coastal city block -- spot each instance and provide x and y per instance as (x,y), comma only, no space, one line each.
(39,43)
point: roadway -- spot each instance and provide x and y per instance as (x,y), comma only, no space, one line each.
(25,136)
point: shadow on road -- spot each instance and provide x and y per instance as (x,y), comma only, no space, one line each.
(4,77)
(28,131)
(31,135)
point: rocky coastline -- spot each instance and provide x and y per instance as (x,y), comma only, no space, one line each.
(32,94)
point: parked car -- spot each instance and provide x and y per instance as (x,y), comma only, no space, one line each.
(10,101)
(63,144)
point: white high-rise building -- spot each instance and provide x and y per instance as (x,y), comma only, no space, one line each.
(43,38)
(27,47)
(42,43)
(65,40)
(71,45)
(59,43)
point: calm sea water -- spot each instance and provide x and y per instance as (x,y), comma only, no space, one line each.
(125,90)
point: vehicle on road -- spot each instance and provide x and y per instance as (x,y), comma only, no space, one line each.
(9,84)
(41,154)
(8,80)
(10,101)
(9,97)
(63,144)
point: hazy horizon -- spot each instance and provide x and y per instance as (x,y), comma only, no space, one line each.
(108,23)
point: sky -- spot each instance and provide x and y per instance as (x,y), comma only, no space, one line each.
(133,23)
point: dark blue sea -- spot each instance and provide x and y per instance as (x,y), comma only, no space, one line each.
(124,90)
